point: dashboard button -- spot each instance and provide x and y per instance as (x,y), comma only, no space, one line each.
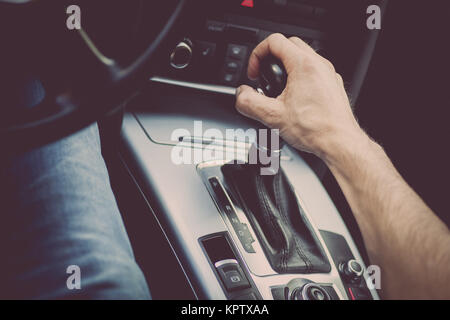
(206,50)
(237,52)
(229,79)
(231,274)
(232,66)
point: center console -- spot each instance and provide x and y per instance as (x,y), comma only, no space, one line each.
(235,234)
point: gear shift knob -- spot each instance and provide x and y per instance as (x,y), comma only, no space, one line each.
(272,77)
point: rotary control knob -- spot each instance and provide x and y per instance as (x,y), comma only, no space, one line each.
(181,55)
(310,291)
(352,270)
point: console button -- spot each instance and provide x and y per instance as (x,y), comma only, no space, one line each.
(316,294)
(206,50)
(232,66)
(229,79)
(351,270)
(232,275)
(234,280)
(310,291)
(237,52)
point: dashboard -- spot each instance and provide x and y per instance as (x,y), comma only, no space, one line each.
(216,38)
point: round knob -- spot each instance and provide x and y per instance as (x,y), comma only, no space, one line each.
(352,270)
(310,291)
(272,77)
(182,54)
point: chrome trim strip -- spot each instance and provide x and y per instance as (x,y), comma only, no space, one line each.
(220,263)
(199,86)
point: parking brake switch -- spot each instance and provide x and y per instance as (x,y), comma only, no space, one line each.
(232,275)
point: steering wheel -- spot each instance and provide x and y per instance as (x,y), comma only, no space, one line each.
(83,83)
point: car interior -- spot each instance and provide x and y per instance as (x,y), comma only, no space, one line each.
(204,230)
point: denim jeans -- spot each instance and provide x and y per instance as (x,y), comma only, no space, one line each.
(58,210)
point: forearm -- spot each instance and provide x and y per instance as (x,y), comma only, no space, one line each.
(313,114)
(402,235)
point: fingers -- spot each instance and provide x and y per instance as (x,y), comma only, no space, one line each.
(280,47)
(301,44)
(341,84)
(258,107)
(307,48)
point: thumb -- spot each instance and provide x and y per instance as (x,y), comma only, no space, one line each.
(257,106)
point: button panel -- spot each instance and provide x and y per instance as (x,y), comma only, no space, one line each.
(222,47)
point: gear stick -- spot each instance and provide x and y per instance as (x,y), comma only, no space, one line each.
(272,81)
(269,201)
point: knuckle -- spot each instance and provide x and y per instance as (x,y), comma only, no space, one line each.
(308,64)
(243,100)
(328,64)
(271,117)
(276,37)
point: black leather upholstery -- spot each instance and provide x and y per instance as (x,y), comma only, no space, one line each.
(275,215)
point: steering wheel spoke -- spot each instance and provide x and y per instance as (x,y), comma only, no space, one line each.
(88,60)
(83,83)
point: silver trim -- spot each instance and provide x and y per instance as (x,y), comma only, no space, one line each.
(194,85)
(181,45)
(220,263)
(313,285)
(354,272)
(190,213)
(256,262)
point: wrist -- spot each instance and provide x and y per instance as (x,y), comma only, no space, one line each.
(343,149)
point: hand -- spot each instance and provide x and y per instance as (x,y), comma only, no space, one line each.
(313,113)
